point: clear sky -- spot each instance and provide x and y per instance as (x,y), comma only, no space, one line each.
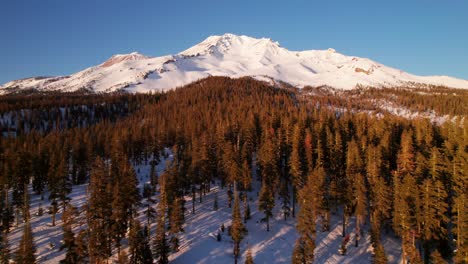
(60,37)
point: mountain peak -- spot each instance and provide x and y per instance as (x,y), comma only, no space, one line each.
(117,58)
(222,44)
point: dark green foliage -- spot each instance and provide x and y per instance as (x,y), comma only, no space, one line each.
(138,241)
(237,228)
(82,241)
(4,249)
(69,243)
(26,247)
(99,212)
(266,202)
(161,248)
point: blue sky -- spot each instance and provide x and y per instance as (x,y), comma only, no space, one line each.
(59,37)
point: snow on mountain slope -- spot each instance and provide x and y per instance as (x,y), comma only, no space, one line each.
(233,56)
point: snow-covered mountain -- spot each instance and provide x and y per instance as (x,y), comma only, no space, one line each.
(233,56)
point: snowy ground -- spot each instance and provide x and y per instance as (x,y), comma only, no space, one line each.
(198,243)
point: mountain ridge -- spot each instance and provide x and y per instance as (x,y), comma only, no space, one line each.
(232,56)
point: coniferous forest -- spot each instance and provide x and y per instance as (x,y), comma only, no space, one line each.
(313,154)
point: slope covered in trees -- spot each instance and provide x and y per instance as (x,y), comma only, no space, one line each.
(314,156)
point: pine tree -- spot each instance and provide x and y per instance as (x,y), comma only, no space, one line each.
(246,176)
(237,227)
(124,197)
(460,207)
(354,172)
(133,240)
(68,236)
(4,227)
(150,212)
(139,248)
(4,248)
(266,202)
(161,247)
(297,162)
(26,248)
(379,256)
(249,258)
(247,179)
(404,216)
(215,202)
(305,244)
(21,176)
(153,175)
(439,193)
(122,257)
(59,183)
(6,211)
(99,212)
(436,258)
(406,199)
(284,194)
(82,246)
(176,221)
(380,193)
(40,167)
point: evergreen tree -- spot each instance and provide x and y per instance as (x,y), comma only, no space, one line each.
(99,212)
(380,194)
(21,175)
(5,220)
(150,212)
(354,172)
(176,218)
(247,178)
(161,247)
(249,258)
(436,258)
(4,248)
(237,227)
(124,197)
(379,256)
(305,244)
(266,202)
(122,258)
(404,216)
(460,207)
(297,162)
(59,183)
(138,242)
(68,236)
(40,167)
(215,202)
(284,194)
(406,201)
(26,247)
(153,175)
(82,246)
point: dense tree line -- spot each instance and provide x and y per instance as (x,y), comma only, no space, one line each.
(397,175)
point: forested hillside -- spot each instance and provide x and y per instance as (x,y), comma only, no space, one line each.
(312,155)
